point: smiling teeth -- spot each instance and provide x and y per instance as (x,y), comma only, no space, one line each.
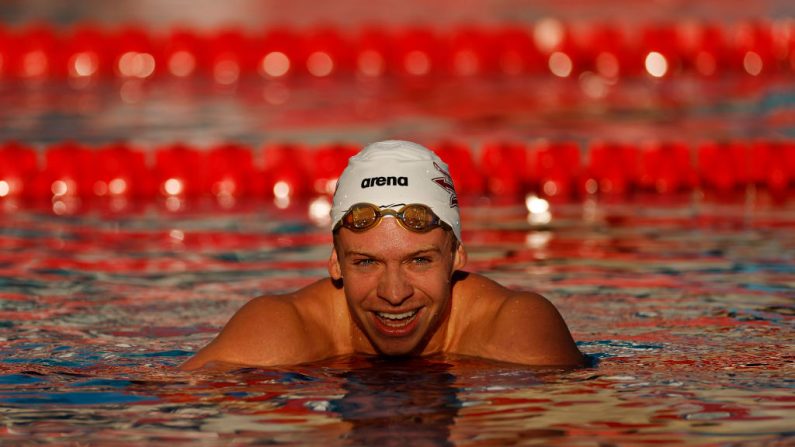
(402,316)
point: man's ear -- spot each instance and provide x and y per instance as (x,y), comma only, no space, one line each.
(334,269)
(460,257)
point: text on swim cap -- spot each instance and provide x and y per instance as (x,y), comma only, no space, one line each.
(385,181)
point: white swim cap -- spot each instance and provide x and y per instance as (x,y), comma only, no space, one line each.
(394,173)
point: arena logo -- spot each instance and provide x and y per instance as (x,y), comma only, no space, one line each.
(385,181)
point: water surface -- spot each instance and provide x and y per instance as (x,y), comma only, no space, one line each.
(684,308)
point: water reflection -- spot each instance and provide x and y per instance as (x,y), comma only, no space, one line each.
(399,402)
(687,306)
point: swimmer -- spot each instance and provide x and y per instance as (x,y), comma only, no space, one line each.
(396,285)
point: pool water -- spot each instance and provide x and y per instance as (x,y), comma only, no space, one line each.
(200,113)
(684,304)
(684,307)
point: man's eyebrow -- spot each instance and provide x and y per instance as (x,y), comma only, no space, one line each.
(359,253)
(423,251)
(419,252)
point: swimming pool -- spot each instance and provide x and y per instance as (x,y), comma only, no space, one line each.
(683,302)
(685,310)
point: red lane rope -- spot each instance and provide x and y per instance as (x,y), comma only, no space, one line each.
(497,169)
(548,47)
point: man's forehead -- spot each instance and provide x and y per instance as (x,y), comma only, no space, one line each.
(354,242)
(407,249)
(396,240)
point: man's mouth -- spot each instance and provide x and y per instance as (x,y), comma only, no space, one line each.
(393,324)
(396,320)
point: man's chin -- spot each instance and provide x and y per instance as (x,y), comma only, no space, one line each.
(397,350)
(402,342)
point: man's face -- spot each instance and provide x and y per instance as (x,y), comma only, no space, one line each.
(397,283)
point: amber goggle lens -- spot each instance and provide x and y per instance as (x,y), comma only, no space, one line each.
(414,217)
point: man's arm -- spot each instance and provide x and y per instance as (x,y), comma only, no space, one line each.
(528,329)
(267,331)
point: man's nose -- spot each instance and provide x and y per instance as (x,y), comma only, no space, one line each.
(394,287)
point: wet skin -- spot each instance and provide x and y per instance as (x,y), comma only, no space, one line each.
(398,285)
(394,292)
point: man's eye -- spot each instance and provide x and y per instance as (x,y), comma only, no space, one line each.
(421,260)
(363,262)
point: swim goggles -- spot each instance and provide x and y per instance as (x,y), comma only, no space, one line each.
(414,217)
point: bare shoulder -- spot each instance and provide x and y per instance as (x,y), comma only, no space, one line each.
(516,326)
(273,330)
